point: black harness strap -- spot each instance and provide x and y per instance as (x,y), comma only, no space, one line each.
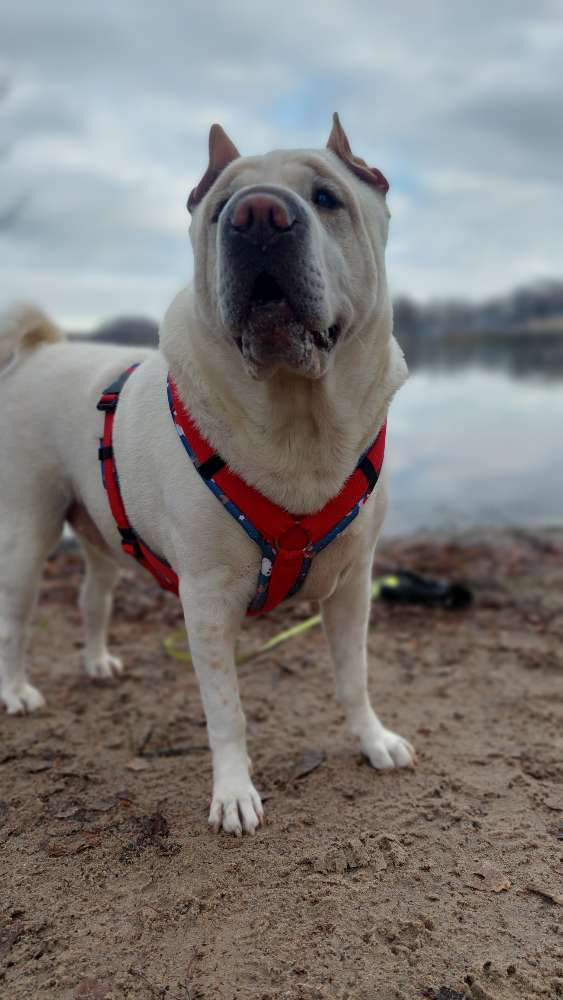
(211,465)
(110,396)
(371,473)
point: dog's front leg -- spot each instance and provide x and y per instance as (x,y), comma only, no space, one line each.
(213,614)
(345,619)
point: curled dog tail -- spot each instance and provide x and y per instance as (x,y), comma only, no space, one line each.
(24,327)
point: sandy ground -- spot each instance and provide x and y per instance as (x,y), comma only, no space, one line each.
(441,883)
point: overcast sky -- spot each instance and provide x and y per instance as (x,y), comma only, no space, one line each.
(107,106)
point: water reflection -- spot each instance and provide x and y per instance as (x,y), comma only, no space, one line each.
(528,354)
(473,447)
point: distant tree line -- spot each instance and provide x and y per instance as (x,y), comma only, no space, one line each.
(524,308)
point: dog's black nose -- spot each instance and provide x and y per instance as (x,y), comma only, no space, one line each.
(261,217)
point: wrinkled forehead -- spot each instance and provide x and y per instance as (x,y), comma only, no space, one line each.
(291,168)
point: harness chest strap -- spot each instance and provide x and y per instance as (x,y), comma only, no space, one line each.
(288,543)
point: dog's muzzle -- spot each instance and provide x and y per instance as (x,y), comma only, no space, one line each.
(271,287)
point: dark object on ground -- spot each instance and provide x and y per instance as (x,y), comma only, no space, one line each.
(403,587)
(153,832)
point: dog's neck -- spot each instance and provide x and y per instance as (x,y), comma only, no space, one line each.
(294,439)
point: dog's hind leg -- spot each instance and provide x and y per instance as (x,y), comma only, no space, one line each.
(346,619)
(96,599)
(25,541)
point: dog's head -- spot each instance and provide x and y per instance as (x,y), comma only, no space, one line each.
(289,251)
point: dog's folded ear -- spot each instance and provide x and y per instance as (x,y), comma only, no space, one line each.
(338,143)
(221,152)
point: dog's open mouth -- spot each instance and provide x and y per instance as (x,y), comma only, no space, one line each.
(266,292)
(272,317)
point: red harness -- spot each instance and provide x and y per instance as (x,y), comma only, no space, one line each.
(288,542)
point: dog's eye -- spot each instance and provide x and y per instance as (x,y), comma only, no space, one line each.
(218,210)
(324,198)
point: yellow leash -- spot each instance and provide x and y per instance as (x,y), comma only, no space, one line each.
(176,645)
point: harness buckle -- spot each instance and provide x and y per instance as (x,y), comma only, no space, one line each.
(294,541)
(130,542)
(128,535)
(108,402)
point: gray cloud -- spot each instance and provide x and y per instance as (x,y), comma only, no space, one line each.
(105,125)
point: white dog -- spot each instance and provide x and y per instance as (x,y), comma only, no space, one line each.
(282,356)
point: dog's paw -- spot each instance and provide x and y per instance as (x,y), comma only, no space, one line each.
(236,809)
(104,666)
(386,750)
(22,699)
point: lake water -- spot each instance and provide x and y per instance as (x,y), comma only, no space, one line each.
(475,447)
